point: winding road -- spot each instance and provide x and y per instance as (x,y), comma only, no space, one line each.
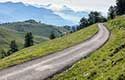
(42,68)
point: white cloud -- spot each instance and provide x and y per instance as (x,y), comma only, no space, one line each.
(77,5)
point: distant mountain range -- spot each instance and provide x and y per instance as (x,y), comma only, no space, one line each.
(67,13)
(13,12)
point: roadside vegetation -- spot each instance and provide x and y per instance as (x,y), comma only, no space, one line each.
(48,47)
(106,63)
(64,42)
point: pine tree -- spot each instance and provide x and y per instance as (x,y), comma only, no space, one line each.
(112,12)
(3,53)
(95,17)
(28,40)
(120,7)
(52,36)
(13,46)
(83,23)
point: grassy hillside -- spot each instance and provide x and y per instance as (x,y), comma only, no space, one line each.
(36,28)
(17,30)
(48,47)
(7,35)
(107,63)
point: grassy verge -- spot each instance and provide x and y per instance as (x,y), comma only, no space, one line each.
(48,47)
(107,63)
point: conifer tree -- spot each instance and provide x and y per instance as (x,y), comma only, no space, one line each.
(28,40)
(13,46)
(112,12)
(120,7)
(3,53)
(52,36)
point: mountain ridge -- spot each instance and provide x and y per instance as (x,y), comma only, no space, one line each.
(12,12)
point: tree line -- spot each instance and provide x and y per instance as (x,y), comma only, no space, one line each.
(93,17)
(117,10)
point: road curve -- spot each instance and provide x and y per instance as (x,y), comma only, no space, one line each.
(40,69)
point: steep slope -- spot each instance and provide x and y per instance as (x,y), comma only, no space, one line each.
(42,68)
(7,35)
(106,63)
(17,30)
(48,47)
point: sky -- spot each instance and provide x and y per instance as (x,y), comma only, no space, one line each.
(76,5)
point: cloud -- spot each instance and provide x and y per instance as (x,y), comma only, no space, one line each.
(77,5)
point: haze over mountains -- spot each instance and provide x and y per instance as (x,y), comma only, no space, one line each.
(67,13)
(12,12)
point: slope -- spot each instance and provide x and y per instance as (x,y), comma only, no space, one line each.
(17,30)
(36,28)
(7,35)
(106,63)
(48,47)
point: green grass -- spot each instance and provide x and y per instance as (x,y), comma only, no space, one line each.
(36,28)
(7,35)
(107,63)
(48,47)
(17,30)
